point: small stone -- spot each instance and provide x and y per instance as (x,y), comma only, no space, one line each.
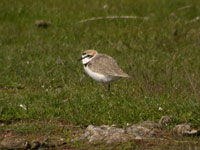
(48,143)
(149,124)
(166,120)
(112,134)
(105,6)
(144,130)
(160,108)
(42,23)
(104,133)
(182,129)
(15,143)
(113,125)
(193,132)
(172,14)
(35,144)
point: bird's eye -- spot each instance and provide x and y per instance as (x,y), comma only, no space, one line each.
(83,53)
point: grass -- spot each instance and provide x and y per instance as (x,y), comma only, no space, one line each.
(39,68)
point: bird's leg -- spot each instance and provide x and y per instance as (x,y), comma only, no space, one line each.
(108,87)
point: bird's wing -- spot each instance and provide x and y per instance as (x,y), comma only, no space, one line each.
(106,65)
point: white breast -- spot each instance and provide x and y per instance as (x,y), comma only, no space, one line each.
(99,77)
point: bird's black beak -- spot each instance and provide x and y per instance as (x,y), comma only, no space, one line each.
(82,58)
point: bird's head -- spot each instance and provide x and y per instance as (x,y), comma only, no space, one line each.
(87,56)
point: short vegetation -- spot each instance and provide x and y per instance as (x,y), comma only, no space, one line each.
(41,79)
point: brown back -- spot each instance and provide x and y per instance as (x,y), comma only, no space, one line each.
(106,65)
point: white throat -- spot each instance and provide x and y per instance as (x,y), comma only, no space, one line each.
(87,59)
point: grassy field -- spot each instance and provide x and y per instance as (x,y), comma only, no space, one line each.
(41,79)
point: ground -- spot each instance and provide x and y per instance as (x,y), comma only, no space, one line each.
(42,81)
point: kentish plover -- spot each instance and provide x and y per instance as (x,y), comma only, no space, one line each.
(101,67)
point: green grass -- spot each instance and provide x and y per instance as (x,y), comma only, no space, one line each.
(39,67)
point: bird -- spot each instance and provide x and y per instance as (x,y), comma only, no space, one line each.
(101,67)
